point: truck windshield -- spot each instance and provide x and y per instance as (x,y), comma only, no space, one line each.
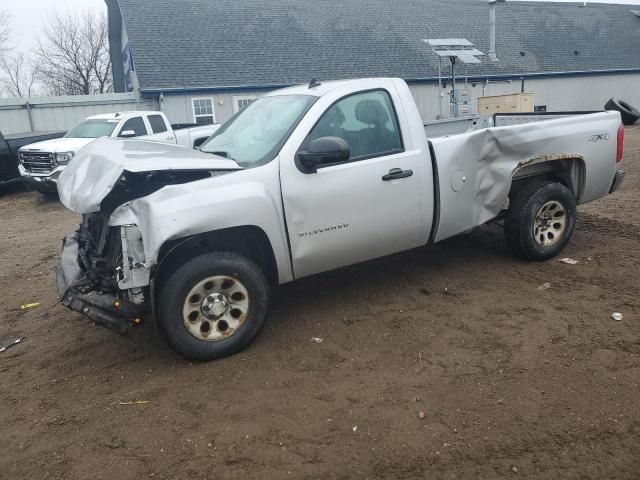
(255,135)
(92,129)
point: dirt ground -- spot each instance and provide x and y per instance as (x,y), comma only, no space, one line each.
(514,380)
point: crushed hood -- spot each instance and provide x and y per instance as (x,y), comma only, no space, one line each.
(94,172)
(58,145)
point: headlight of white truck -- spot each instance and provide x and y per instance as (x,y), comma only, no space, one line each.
(64,157)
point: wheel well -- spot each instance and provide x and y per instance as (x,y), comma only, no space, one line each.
(248,241)
(568,171)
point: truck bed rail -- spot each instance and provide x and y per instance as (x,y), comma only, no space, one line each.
(507,119)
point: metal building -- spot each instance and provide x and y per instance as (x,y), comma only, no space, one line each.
(203,61)
(18,115)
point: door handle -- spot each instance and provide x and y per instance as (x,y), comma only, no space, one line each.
(397,173)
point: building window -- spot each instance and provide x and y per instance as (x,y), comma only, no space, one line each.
(203,111)
(240,102)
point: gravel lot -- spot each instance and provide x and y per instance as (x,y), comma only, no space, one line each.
(514,380)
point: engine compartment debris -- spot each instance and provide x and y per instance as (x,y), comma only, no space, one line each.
(29,306)
(569,261)
(134,402)
(8,343)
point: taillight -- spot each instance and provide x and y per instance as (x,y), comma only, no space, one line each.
(620,144)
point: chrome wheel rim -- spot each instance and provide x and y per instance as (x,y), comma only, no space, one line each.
(550,224)
(215,308)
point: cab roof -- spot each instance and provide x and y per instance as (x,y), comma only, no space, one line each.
(319,89)
(118,115)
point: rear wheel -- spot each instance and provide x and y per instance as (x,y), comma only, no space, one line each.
(541,220)
(212,306)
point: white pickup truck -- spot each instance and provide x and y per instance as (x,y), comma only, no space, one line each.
(304,180)
(41,163)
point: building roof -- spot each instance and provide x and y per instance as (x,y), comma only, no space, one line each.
(195,44)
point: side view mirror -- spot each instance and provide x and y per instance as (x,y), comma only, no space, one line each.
(323,151)
(127,134)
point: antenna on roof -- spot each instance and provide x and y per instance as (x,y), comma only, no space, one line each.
(314,83)
(454,49)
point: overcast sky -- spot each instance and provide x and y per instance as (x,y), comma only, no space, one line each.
(28,15)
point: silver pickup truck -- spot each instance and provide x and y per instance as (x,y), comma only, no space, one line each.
(304,180)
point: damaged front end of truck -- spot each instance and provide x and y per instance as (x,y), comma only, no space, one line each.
(91,268)
(103,272)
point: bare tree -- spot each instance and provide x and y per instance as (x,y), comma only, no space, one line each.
(19,76)
(73,56)
(5,32)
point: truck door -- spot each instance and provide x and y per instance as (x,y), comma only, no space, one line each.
(363,208)
(159,130)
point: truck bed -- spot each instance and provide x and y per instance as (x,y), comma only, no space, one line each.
(474,171)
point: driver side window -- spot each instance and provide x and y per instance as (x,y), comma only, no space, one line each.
(366,121)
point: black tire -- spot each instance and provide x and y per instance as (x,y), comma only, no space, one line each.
(520,222)
(629,114)
(173,293)
(50,196)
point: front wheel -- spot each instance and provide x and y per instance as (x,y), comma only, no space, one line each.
(212,306)
(541,220)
